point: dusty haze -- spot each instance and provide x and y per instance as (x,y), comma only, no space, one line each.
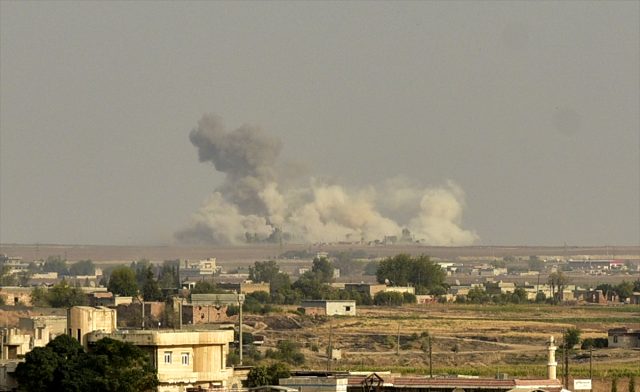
(484,122)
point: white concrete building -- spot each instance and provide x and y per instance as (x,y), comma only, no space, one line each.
(329,307)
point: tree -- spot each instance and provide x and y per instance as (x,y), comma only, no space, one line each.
(391,298)
(123,282)
(264,271)
(478,295)
(64,296)
(535,264)
(205,287)
(614,384)
(169,275)
(571,337)
(122,366)
(6,277)
(520,295)
(258,376)
(140,268)
(150,289)
(632,384)
(557,281)
(323,269)
(269,272)
(403,270)
(624,290)
(63,365)
(55,264)
(311,286)
(39,297)
(279,370)
(82,267)
(287,351)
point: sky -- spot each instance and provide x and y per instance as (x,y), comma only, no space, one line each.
(525,115)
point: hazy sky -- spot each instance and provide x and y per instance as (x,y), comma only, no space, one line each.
(531,108)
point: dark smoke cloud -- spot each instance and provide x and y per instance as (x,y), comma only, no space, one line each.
(253,204)
(246,155)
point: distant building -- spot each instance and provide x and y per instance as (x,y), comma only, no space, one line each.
(624,337)
(216,299)
(245,287)
(329,307)
(14,296)
(43,329)
(204,314)
(195,268)
(13,265)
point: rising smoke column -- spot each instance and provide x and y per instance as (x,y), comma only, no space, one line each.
(252,204)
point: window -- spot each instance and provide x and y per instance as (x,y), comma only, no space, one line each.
(348,308)
(185,358)
(167,357)
(615,339)
(39,333)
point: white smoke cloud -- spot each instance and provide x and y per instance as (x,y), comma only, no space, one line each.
(252,204)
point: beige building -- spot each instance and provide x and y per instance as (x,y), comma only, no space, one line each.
(81,320)
(14,343)
(43,329)
(245,287)
(14,296)
(329,307)
(183,359)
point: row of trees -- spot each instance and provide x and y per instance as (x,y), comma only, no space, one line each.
(401,270)
(141,278)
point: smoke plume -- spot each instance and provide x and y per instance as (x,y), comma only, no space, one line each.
(254,205)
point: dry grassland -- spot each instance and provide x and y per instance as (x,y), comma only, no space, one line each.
(478,340)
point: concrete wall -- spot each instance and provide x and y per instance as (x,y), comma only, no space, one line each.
(16,295)
(82,320)
(204,314)
(15,343)
(315,384)
(43,329)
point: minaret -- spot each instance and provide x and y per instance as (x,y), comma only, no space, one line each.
(551,364)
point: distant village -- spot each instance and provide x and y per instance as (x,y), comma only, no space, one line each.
(184,313)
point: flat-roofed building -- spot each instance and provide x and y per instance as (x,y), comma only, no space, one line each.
(245,287)
(329,307)
(14,343)
(82,320)
(183,359)
(624,337)
(15,296)
(43,329)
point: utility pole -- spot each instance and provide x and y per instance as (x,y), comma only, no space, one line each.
(240,302)
(330,348)
(566,369)
(430,359)
(398,342)
(590,362)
